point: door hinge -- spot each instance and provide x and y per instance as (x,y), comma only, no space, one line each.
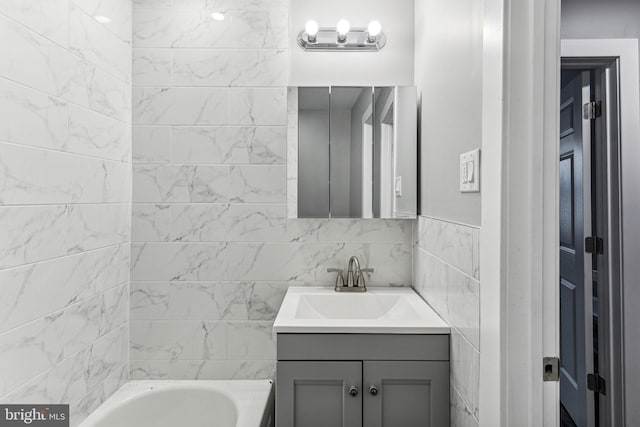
(592,110)
(551,366)
(594,245)
(596,383)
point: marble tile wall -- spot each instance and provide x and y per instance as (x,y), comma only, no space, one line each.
(65,200)
(213,252)
(447,276)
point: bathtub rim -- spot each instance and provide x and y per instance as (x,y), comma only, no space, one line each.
(250,397)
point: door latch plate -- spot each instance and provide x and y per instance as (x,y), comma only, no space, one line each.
(551,366)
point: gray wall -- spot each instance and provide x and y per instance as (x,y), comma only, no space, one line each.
(340,167)
(449,79)
(446,258)
(313,156)
(357,112)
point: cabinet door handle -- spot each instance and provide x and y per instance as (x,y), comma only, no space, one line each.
(353,391)
(373,390)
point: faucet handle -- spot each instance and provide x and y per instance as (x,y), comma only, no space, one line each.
(339,278)
(360,280)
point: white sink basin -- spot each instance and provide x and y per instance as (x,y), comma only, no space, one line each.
(379,310)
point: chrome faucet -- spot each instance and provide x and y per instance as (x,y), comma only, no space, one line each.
(353,285)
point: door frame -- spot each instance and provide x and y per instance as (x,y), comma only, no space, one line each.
(519,214)
(629,79)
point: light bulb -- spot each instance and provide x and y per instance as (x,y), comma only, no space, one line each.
(217,16)
(343,28)
(374,30)
(311,29)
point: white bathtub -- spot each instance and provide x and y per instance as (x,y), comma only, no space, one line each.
(187,403)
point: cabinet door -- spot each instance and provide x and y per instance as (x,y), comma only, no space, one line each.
(407,394)
(317,394)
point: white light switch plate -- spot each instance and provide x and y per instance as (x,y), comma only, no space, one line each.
(470,172)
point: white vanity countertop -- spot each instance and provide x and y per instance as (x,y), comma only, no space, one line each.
(377,311)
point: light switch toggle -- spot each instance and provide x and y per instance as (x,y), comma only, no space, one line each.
(470,172)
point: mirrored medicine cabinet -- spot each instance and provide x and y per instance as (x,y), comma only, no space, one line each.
(352,152)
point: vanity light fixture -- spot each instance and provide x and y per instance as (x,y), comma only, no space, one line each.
(217,16)
(342,38)
(373,31)
(343,29)
(312,31)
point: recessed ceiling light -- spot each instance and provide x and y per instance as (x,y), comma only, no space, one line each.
(102,19)
(217,16)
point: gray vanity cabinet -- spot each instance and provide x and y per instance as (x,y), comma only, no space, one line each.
(407,394)
(343,380)
(318,393)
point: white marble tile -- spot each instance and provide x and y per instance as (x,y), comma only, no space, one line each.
(453,243)
(258,184)
(151,67)
(366,231)
(151,222)
(39,63)
(257,29)
(454,295)
(206,300)
(237,222)
(465,371)
(151,144)
(245,4)
(33,60)
(30,350)
(65,383)
(221,369)
(258,106)
(32,233)
(32,291)
(90,319)
(173,340)
(149,370)
(179,261)
(118,12)
(96,44)
(280,261)
(461,415)
(32,176)
(106,356)
(476,254)
(32,118)
(180,106)
(152,4)
(230,68)
(251,340)
(232,145)
(98,226)
(79,411)
(180,184)
(98,90)
(95,134)
(49,18)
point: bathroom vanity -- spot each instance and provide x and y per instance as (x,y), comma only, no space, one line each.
(373,359)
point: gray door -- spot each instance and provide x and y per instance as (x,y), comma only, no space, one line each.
(407,394)
(317,394)
(573,327)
